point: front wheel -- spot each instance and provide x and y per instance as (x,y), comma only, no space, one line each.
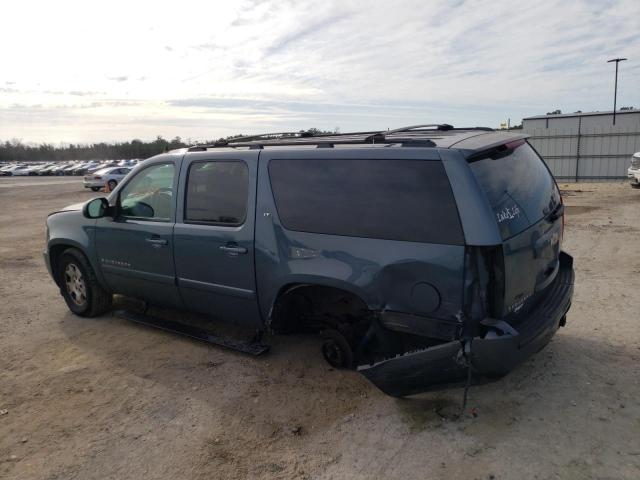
(112,184)
(80,288)
(95,189)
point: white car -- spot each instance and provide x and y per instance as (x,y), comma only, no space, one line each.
(21,170)
(634,170)
(6,169)
(107,176)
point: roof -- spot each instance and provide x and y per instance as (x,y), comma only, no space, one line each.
(582,114)
(431,135)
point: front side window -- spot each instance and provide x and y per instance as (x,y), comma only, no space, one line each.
(149,194)
(217,193)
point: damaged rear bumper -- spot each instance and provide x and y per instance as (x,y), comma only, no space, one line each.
(490,357)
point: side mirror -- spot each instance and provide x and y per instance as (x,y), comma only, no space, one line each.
(96,208)
(144,210)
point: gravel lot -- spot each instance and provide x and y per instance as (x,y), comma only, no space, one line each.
(106,399)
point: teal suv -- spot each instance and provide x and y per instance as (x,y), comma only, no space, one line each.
(423,256)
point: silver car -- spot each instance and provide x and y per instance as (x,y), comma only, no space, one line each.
(107,176)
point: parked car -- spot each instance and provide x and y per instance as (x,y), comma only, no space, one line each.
(48,169)
(99,166)
(423,256)
(68,170)
(107,176)
(36,169)
(634,170)
(7,169)
(59,169)
(21,170)
(83,167)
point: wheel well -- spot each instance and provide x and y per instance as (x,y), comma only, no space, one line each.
(54,257)
(303,308)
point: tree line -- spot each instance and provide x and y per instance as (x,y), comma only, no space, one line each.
(17,151)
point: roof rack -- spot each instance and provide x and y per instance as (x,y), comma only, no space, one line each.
(381,136)
(225,142)
(415,135)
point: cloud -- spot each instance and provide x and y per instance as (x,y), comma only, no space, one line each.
(265,65)
(84,93)
(304,32)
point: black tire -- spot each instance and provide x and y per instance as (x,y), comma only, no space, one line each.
(79,287)
(112,184)
(336,349)
(635,185)
(95,189)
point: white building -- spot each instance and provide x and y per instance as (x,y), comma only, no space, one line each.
(589,120)
(586,146)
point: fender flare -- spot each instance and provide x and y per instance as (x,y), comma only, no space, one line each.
(72,243)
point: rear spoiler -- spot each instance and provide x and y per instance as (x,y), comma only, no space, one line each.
(499,150)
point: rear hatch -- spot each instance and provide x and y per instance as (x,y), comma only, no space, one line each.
(529,213)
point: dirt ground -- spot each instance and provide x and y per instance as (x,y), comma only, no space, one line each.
(107,399)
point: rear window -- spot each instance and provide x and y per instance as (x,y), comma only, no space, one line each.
(519,188)
(408,200)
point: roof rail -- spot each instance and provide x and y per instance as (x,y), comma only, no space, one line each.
(270,136)
(225,142)
(380,136)
(443,127)
(414,135)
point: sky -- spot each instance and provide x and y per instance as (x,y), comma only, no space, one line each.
(112,71)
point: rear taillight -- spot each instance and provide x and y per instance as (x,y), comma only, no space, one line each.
(97,178)
(562,228)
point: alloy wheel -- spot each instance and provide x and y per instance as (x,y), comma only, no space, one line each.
(76,286)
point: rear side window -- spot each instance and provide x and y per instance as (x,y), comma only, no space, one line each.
(519,188)
(408,200)
(217,193)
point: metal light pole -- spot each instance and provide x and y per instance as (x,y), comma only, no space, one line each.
(615,91)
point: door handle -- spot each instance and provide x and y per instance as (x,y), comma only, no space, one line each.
(157,242)
(233,249)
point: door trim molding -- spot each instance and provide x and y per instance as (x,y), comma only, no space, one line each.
(128,272)
(216,288)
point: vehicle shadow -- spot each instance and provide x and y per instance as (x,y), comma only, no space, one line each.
(562,383)
(234,384)
(570,369)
